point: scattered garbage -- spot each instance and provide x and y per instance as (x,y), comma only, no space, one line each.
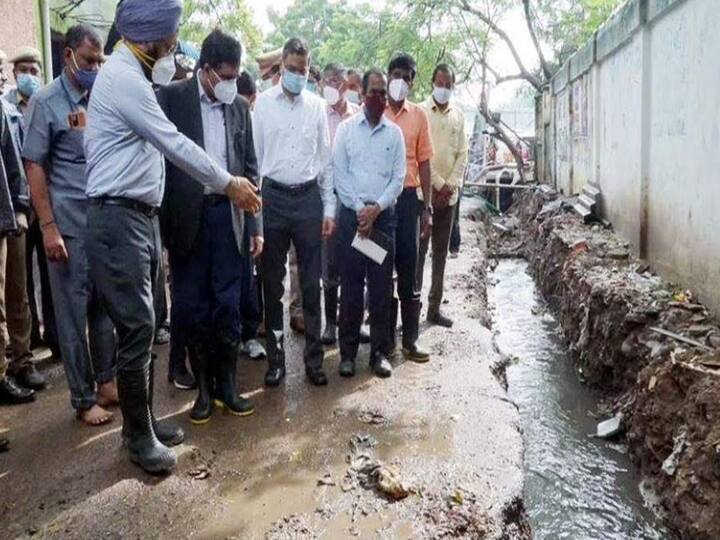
(326,480)
(200,473)
(610,428)
(372,417)
(671,463)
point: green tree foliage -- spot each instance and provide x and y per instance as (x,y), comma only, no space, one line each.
(200,17)
(364,35)
(568,25)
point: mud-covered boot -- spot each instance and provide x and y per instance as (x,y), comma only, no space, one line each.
(226,396)
(202,409)
(139,438)
(330,295)
(167,432)
(410,332)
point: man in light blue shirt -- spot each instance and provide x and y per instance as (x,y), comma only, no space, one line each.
(126,137)
(369,169)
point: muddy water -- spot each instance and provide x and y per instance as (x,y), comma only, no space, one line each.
(576,487)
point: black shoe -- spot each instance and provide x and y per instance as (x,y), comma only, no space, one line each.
(347,368)
(439,319)
(274,375)
(183,380)
(364,336)
(381,366)
(226,396)
(415,353)
(13,394)
(329,337)
(166,431)
(202,409)
(29,377)
(139,437)
(4,446)
(316,376)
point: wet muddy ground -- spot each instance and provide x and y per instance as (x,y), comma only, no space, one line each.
(306,465)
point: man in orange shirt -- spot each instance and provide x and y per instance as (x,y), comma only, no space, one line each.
(412,214)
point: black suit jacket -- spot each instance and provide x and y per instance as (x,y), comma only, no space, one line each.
(182,207)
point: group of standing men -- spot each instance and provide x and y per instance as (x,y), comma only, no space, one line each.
(113,169)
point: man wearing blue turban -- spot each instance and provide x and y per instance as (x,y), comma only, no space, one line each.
(126,137)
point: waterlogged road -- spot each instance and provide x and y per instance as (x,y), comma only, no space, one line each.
(446,428)
(577,487)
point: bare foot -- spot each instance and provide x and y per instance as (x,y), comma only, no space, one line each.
(95,416)
(107,394)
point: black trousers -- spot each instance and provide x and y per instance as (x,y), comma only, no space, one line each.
(455,234)
(35,244)
(292,215)
(251,297)
(355,268)
(407,241)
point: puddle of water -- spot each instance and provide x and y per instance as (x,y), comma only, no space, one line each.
(576,487)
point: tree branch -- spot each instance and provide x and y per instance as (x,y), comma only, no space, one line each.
(529,77)
(533,35)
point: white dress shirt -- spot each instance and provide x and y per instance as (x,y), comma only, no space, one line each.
(292,141)
(214,132)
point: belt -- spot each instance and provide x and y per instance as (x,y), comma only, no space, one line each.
(213,199)
(290,188)
(124,202)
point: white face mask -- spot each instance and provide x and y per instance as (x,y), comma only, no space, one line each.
(399,90)
(442,95)
(164,70)
(331,95)
(353,97)
(225,91)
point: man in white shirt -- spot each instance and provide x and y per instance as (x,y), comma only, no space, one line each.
(334,91)
(292,144)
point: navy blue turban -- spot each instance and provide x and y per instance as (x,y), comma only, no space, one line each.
(143,21)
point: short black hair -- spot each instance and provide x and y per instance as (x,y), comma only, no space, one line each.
(369,73)
(445,68)
(220,48)
(246,85)
(335,68)
(295,46)
(403,61)
(314,74)
(78,33)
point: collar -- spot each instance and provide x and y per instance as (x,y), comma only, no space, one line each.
(362,119)
(350,110)
(76,96)
(204,98)
(278,93)
(432,106)
(124,52)
(405,108)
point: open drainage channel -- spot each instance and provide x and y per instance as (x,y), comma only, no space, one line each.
(576,486)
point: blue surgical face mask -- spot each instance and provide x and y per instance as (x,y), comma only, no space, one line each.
(84,77)
(28,84)
(293,83)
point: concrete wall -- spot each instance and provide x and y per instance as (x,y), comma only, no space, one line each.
(18,25)
(637,113)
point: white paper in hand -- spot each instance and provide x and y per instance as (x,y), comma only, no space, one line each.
(369,248)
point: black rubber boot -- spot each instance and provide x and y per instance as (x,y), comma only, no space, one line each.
(139,438)
(392,328)
(226,396)
(330,295)
(411,329)
(167,432)
(199,362)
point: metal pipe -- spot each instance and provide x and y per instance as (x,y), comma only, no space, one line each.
(46,39)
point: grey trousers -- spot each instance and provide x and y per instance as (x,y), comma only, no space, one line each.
(440,237)
(123,247)
(85,332)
